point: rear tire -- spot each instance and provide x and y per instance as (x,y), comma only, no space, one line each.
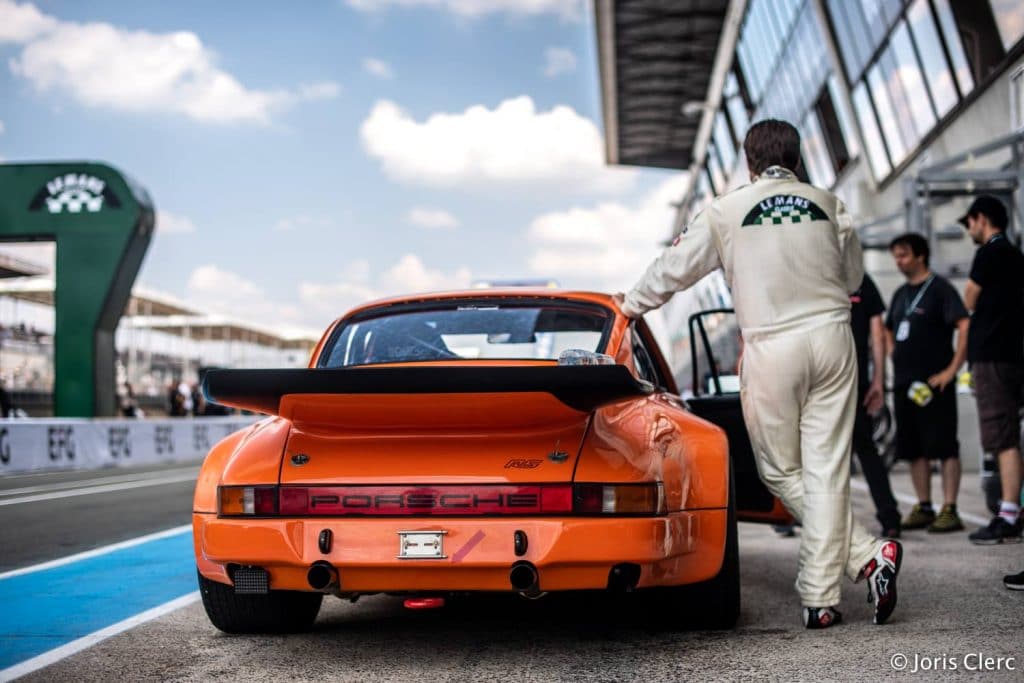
(712,604)
(274,612)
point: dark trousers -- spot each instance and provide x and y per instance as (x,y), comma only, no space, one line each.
(887,512)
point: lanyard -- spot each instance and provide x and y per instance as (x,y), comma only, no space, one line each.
(917,299)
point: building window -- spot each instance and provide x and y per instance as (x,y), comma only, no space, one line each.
(980,36)
(936,68)
(1009,16)
(873,143)
(886,114)
(715,172)
(951,38)
(849,135)
(1017,99)
(853,37)
(832,131)
(724,142)
(735,106)
(906,81)
(816,158)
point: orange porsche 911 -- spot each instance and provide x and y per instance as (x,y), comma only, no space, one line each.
(525,441)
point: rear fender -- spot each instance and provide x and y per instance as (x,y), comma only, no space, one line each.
(653,439)
(249,456)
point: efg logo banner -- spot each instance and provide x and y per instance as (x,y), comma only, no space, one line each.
(75,193)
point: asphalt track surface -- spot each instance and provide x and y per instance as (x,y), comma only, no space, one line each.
(953,614)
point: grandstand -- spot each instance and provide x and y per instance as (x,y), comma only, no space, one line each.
(160,340)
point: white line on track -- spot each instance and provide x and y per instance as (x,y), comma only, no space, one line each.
(62,485)
(912,500)
(75,646)
(95,552)
(85,491)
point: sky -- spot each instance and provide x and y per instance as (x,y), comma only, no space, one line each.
(308,157)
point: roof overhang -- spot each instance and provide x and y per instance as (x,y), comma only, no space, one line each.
(11,266)
(663,65)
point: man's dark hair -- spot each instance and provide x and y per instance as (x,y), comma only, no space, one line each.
(772,143)
(917,244)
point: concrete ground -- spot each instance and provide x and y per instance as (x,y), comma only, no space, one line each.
(953,615)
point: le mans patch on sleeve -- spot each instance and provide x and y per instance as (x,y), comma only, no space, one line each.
(784,209)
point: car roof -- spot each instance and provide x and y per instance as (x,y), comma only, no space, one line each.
(505,293)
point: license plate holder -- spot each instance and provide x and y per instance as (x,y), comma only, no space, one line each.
(421,545)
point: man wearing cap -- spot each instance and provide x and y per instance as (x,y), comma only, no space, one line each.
(791,258)
(995,350)
(923,316)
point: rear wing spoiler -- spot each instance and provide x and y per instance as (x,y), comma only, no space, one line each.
(582,388)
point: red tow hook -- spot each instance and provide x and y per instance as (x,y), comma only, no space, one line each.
(424,603)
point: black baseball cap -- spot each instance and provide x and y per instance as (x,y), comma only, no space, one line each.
(991,207)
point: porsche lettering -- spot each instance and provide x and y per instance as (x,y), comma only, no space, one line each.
(381,504)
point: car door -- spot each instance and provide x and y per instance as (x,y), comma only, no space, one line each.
(715,348)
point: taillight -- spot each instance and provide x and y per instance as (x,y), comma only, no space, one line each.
(248,500)
(620,499)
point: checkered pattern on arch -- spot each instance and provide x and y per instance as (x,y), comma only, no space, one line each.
(789,213)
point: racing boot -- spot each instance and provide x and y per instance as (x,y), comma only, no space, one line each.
(880,573)
(821,617)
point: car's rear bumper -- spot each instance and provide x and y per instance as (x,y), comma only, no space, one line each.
(569,553)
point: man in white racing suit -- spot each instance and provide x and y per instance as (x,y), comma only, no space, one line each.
(791,258)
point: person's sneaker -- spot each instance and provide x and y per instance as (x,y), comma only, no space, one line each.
(947,520)
(880,573)
(997,531)
(919,518)
(821,617)
(1014,582)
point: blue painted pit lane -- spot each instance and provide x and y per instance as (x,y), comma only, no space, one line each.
(45,609)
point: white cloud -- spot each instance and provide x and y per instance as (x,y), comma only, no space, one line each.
(211,288)
(301,221)
(567,9)
(101,65)
(411,275)
(378,68)
(172,224)
(316,304)
(513,143)
(432,219)
(357,285)
(321,90)
(21,23)
(2,129)
(606,246)
(558,61)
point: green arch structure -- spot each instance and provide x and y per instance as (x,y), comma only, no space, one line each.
(102,223)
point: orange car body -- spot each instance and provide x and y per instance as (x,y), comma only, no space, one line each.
(437,441)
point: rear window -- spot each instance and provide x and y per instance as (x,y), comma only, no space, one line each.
(467,331)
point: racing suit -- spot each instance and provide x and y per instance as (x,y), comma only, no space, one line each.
(791,258)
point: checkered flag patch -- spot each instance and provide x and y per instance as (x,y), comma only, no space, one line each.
(784,214)
(784,210)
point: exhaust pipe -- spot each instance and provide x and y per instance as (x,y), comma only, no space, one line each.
(322,576)
(524,578)
(624,577)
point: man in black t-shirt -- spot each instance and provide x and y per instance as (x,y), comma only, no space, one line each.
(922,318)
(866,309)
(995,350)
